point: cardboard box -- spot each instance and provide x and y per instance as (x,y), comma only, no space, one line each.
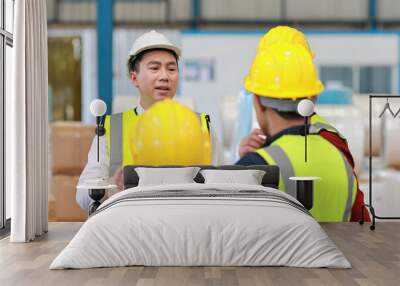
(69,146)
(51,206)
(63,188)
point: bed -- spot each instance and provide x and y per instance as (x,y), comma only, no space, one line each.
(202,223)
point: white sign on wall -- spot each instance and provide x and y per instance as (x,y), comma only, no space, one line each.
(199,70)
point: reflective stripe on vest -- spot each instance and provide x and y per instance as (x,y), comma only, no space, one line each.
(318,123)
(285,165)
(335,193)
(116,142)
(120,127)
(351,185)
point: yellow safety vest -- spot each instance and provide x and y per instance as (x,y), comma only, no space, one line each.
(318,123)
(119,128)
(335,193)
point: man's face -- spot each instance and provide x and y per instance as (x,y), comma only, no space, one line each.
(156,77)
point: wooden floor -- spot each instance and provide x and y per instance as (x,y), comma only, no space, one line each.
(375,256)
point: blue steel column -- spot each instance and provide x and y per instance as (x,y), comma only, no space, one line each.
(372,13)
(104,51)
(196,13)
(398,64)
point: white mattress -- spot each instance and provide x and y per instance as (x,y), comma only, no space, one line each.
(185,230)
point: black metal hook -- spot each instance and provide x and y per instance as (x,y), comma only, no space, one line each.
(387,107)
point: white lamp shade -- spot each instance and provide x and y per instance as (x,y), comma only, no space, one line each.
(98,107)
(305,107)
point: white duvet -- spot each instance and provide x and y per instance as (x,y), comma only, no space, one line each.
(206,230)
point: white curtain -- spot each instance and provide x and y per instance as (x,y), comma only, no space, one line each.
(27,123)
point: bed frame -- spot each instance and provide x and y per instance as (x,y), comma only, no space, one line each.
(131,178)
(270,179)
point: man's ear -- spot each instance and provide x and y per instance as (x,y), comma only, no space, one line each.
(134,78)
(257,103)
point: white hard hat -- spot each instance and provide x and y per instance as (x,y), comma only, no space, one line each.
(153,40)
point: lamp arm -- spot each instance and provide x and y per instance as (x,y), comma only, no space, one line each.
(305,137)
(100,131)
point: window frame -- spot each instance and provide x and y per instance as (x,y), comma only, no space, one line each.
(356,75)
(6,39)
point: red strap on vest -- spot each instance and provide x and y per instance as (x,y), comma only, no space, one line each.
(358,206)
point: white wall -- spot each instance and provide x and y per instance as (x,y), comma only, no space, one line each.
(239,9)
(355,49)
(326,10)
(181,10)
(389,10)
(231,55)
(214,64)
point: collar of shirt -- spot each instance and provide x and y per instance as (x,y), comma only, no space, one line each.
(139,109)
(295,130)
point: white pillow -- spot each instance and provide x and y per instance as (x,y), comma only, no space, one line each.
(248,177)
(163,176)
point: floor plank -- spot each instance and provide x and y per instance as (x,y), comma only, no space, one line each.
(374,255)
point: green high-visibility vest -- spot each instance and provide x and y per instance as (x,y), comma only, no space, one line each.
(120,128)
(335,193)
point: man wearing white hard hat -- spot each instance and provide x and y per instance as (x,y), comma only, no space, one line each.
(153,69)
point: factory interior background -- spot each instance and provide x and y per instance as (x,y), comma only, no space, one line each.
(357,51)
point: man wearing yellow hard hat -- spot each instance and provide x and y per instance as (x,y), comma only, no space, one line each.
(275,35)
(282,74)
(153,69)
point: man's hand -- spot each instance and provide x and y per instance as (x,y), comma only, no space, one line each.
(118,178)
(252,142)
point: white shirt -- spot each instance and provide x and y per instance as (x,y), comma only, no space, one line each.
(94,169)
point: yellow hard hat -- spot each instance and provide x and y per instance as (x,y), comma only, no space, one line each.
(283,71)
(285,34)
(169,133)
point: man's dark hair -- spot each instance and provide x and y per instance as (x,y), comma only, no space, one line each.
(289,115)
(134,61)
